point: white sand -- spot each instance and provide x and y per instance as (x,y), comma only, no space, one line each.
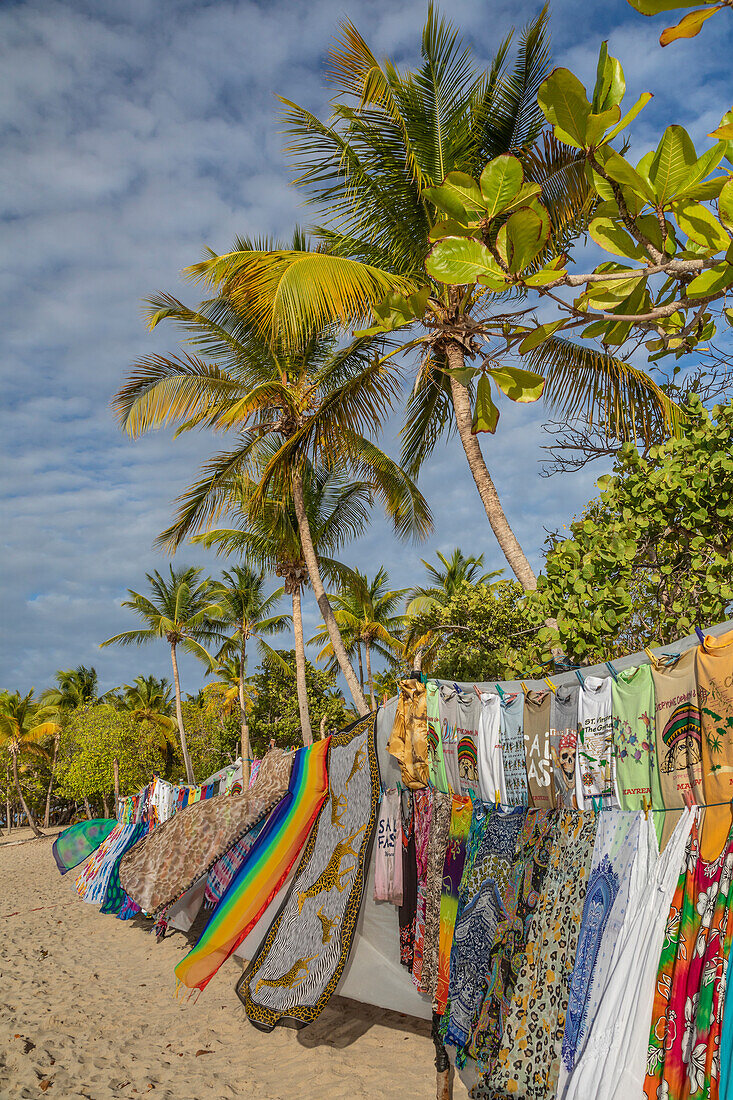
(87,1009)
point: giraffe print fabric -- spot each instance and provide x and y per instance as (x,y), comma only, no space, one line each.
(299,965)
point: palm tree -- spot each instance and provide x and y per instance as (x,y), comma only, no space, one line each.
(75,687)
(315,405)
(183,610)
(148,700)
(366,613)
(24,723)
(393,135)
(267,535)
(444,580)
(247,611)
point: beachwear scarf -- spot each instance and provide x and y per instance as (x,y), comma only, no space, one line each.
(423,803)
(267,865)
(455,858)
(91,885)
(518,902)
(116,901)
(225,869)
(528,1063)
(303,956)
(437,845)
(494,833)
(408,909)
(72,847)
(683,1057)
(169,860)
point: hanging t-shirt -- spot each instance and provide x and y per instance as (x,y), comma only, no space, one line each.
(714,667)
(512,749)
(388,859)
(537,748)
(634,739)
(490,763)
(564,744)
(595,764)
(436,764)
(677,722)
(459,718)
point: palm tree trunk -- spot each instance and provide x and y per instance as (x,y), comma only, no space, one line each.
(47,815)
(190,778)
(246,751)
(370,681)
(361,667)
(324,605)
(87,808)
(300,681)
(26,811)
(487,490)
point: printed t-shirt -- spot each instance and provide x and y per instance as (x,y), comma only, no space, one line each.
(436,764)
(634,740)
(564,744)
(595,764)
(459,719)
(677,725)
(490,763)
(537,748)
(512,750)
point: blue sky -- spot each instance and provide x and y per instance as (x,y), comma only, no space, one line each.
(134,133)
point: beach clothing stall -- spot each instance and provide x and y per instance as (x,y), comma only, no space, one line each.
(543,868)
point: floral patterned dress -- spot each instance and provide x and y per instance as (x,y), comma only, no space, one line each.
(455,858)
(684,1059)
(423,801)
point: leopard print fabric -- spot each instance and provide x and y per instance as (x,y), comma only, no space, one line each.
(437,846)
(529,1060)
(168,860)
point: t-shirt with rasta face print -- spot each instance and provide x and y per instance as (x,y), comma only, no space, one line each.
(714,672)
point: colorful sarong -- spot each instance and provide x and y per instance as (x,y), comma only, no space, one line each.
(72,847)
(266,867)
(115,899)
(455,858)
(225,869)
(163,866)
(91,885)
(299,965)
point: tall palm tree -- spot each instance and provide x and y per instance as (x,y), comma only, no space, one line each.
(368,171)
(366,611)
(266,533)
(24,723)
(317,404)
(183,610)
(247,611)
(445,578)
(75,687)
(148,700)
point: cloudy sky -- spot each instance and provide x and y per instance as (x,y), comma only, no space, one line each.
(134,133)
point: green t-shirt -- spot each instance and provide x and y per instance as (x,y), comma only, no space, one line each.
(634,739)
(436,763)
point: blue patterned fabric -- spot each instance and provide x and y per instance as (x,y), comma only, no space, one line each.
(491,845)
(599,899)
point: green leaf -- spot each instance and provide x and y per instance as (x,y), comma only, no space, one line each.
(538,336)
(673,165)
(395,311)
(447,201)
(656,7)
(501,180)
(629,116)
(699,223)
(598,124)
(519,385)
(464,188)
(563,102)
(521,238)
(618,333)
(544,276)
(485,413)
(448,228)
(459,260)
(688,27)
(526,195)
(712,281)
(622,172)
(609,234)
(464,375)
(725,204)
(610,84)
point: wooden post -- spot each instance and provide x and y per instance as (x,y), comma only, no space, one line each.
(444,1070)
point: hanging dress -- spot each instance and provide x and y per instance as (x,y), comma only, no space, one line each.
(612,1065)
(683,1056)
(437,845)
(423,809)
(455,858)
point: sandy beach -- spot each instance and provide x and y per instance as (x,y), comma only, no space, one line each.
(88,1010)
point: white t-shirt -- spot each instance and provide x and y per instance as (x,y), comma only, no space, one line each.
(594,762)
(490,760)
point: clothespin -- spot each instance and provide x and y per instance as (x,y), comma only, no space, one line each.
(524,687)
(475,688)
(551,686)
(597,803)
(654,660)
(647,806)
(500,690)
(497,798)
(687,799)
(579,674)
(700,635)
(612,670)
